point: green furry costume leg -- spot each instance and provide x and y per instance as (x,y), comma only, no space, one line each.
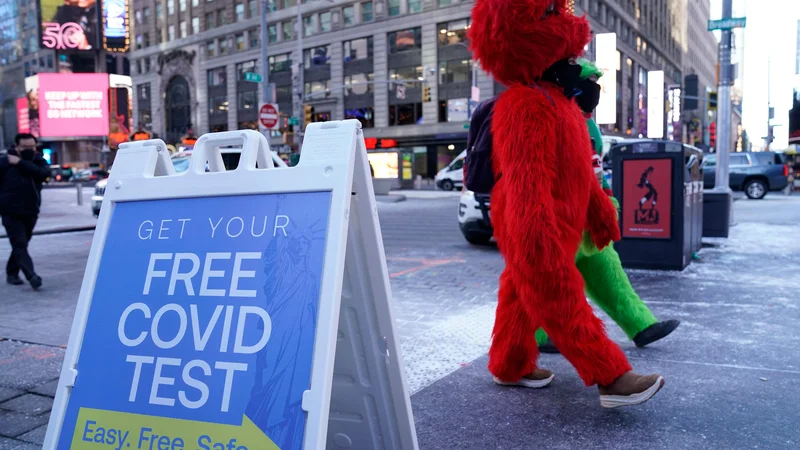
(609,288)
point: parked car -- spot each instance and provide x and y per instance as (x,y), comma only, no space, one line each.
(452,176)
(180,161)
(473,217)
(60,173)
(755,173)
(90,174)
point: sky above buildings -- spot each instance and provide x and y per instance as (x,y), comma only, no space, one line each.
(770,38)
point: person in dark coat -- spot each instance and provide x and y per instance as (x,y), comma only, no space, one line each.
(22,172)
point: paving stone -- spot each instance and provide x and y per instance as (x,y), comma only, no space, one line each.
(35,436)
(48,389)
(31,404)
(13,424)
(8,393)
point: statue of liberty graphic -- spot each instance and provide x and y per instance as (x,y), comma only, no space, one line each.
(292,296)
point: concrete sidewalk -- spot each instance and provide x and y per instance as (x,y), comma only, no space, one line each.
(731,369)
(60,213)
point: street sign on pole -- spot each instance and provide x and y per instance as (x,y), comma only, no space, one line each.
(401,92)
(268,116)
(727,24)
(293,120)
(249,294)
(252,77)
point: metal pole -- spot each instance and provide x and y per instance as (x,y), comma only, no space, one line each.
(79,187)
(267,95)
(300,78)
(724,103)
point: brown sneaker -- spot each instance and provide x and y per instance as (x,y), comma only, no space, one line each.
(538,379)
(630,389)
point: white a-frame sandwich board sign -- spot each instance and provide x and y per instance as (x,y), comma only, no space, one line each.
(241,309)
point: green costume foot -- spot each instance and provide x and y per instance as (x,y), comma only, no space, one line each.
(655,332)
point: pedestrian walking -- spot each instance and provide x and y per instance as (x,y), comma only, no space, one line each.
(22,172)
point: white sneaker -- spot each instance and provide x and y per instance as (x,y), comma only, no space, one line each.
(526,382)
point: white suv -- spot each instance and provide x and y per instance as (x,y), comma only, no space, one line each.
(473,217)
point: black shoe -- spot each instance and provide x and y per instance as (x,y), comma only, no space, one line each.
(548,347)
(36,282)
(655,332)
(14,280)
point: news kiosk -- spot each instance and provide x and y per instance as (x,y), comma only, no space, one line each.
(242,309)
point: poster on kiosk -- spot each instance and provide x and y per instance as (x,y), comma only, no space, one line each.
(242,309)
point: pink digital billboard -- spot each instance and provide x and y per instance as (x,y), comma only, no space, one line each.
(73,105)
(23,120)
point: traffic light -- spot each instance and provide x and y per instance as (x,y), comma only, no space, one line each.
(712,101)
(426,93)
(308,113)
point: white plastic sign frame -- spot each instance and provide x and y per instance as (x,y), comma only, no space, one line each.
(358,396)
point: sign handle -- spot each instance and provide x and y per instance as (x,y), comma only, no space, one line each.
(207,149)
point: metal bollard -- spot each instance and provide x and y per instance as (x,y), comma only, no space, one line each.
(80,193)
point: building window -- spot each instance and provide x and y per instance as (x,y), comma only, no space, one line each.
(414,6)
(143,102)
(366,12)
(159,11)
(139,42)
(317,56)
(243,68)
(211,21)
(252,6)
(455,71)
(240,45)
(217,105)
(405,73)
(195,25)
(146,13)
(184,31)
(224,46)
(308,26)
(139,16)
(247,100)
(255,39)
(325,22)
(170,7)
(239,9)
(288,30)
(454,32)
(454,110)
(394,8)
(195,2)
(358,49)
(445,2)
(171,33)
(182,5)
(349,15)
(222,18)
(364,115)
(147,65)
(405,40)
(272,33)
(316,88)
(280,63)
(217,77)
(211,49)
(408,114)
(358,84)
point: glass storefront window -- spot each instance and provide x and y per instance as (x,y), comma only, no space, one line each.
(455,71)
(356,84)
(358,49)
(454,32)
(405,40)
(385,164)
(364,115)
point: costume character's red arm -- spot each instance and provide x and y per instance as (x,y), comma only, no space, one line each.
(602,218)
(524,137)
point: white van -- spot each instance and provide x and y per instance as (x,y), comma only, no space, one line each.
(452,176)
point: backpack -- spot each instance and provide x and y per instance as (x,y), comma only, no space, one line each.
(478,175)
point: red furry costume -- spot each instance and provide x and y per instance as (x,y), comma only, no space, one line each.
(545,194)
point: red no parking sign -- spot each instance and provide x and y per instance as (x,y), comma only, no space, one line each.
(268,116)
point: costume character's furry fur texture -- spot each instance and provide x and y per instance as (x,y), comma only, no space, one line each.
(545,193)
(607,283)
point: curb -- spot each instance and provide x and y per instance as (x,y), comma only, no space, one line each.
(58,230)
(391,198)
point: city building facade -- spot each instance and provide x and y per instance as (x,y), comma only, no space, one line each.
(700,60)
(401,67)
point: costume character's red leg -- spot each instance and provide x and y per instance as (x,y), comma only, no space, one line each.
(513,352)
(564,313)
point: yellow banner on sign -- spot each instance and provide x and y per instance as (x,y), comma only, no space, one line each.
(97,428)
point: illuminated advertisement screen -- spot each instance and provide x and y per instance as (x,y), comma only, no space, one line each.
(607,60)
(32,104)
(116,35)
(23,119)
(69,24)
(73,105)
(385,164)
(655,104)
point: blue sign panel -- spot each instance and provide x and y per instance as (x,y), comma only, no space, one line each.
(201,328)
